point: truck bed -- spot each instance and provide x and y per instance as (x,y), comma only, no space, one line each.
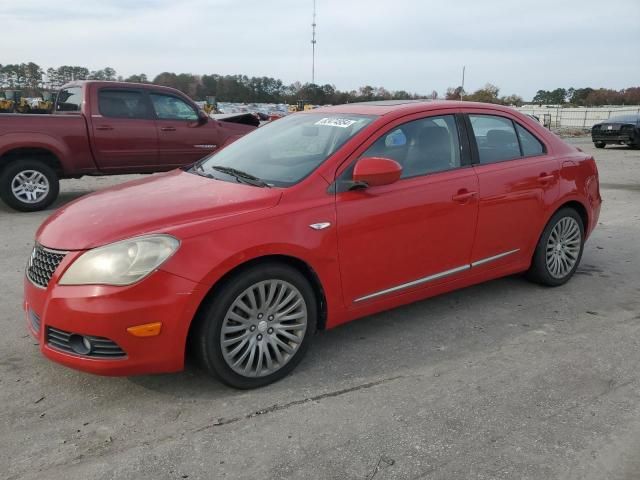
(65,135)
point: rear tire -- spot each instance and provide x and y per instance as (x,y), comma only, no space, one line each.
(248,334)
(559,249)
(29,185)
(599,144)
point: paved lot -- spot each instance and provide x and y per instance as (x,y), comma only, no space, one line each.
(502,380)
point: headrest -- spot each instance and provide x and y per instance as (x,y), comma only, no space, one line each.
(498,138)
(113,107)
(434,136)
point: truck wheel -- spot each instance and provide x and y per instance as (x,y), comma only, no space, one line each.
(28,185)
(599,144)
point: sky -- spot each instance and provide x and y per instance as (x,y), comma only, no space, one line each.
(415,45)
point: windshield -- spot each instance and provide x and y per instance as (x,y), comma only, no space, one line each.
(624,119)
(285,151)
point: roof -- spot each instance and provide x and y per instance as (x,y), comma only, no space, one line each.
(629,118)
(390,103)
(115,84)
(402,106)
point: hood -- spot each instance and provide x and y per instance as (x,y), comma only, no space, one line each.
(159,203)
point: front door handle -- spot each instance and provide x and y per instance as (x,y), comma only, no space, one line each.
(463,196)
(544,178)
(104,127)
(168,129)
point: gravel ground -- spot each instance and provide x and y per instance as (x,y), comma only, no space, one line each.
(502,380)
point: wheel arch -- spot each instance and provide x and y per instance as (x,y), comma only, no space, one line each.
(578,207)
(37,153)
(572,203)
(300,265)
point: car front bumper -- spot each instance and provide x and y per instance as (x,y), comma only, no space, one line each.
(618,138)
(107,312)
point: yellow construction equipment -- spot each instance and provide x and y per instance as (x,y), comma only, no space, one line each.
(22,106)
(301,105)
(7,101)
(6,106)
(40,106)
(12,101)
(210,106)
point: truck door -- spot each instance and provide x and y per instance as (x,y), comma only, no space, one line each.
(183,138)
(123,131)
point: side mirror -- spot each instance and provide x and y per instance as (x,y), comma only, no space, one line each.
(375,171)
(202,117)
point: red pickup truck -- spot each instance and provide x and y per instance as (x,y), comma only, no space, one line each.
(104,128)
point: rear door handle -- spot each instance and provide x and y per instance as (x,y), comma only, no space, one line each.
(168,129)
(104,127)
(463,196)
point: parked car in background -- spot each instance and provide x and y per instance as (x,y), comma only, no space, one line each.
(622,130)
(533,117)
(105,128)
(309,222)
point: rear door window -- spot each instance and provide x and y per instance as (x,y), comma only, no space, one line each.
(531,146)
(122,104)
(496,138)
(69,100)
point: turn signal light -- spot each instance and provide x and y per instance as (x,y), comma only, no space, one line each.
(146,330)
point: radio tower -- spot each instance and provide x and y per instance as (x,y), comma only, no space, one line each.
(313,45)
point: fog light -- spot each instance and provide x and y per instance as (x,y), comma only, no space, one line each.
(80,344)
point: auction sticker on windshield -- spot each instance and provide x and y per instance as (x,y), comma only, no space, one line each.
(336,122)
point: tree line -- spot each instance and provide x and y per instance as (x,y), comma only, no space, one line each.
(487,94)
(33,79)
(588,96)
(579,97)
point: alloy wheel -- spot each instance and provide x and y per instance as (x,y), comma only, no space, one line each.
(263,328)
(30,186)
(563,247)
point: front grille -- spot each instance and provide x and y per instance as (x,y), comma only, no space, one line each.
(35,320)
(610,133)
(100,347)
(42,263)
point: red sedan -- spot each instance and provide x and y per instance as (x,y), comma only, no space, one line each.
(307,223)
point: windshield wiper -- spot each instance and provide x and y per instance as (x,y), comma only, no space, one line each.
(198,170)
(241,176)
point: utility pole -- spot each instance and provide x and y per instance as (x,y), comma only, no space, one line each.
(313,45)
(462,85)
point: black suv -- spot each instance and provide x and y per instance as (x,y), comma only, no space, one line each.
(623,130)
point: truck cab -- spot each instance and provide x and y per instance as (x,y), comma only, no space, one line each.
(104,128)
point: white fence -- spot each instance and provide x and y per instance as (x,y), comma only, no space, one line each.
(558,117)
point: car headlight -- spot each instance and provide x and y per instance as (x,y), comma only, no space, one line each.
(121,263)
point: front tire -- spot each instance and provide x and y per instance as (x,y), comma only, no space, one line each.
(599,144)
(559,249)
(28,185)
(257,327)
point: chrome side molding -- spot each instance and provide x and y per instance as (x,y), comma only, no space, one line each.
(435,276)
(205,145)
(491,259)
(430,278)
